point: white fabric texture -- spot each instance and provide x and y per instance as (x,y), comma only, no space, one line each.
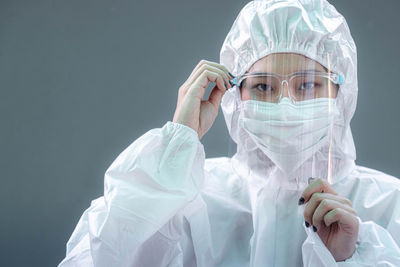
(207,214)
(164,204)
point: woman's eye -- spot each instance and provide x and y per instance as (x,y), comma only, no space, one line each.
(308,86)
(263,87)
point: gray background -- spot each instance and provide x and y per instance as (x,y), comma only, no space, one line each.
(81,79)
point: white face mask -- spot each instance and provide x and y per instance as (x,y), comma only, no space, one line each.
(289,133)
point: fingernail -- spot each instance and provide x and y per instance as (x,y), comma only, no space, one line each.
(231,83)
(307,224)
(301,201)
(310,180)
(231,74)
(226,87)
(314,228)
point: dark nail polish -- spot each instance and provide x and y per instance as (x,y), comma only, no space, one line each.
(314,228)
(231,74)
(301,201)
(231,83)
(310,180)
(307,224)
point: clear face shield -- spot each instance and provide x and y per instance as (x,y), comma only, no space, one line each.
(287,106)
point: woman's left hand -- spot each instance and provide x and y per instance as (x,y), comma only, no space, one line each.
(332,217)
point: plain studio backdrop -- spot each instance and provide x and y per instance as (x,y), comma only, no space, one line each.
(82,79)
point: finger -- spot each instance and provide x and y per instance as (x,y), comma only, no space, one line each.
(316,200)
(200,72)
(323,208)
(208,65)
(201,63)
(213,69)
(317,186)
(343,217)
(197,89)
(216,65)
(216,97)
(311,179)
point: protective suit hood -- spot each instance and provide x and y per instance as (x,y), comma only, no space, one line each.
(315,29)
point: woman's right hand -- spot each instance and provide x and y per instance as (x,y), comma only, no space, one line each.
(191,109)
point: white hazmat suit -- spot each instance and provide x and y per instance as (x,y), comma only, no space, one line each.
(164,204)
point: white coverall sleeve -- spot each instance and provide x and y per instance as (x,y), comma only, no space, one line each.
(375,247)
(145,187)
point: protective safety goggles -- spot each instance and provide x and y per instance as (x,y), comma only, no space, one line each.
(305,85)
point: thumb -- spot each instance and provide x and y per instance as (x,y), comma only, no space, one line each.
(216,97)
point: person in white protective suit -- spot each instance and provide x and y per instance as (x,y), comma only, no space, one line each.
(290,196)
